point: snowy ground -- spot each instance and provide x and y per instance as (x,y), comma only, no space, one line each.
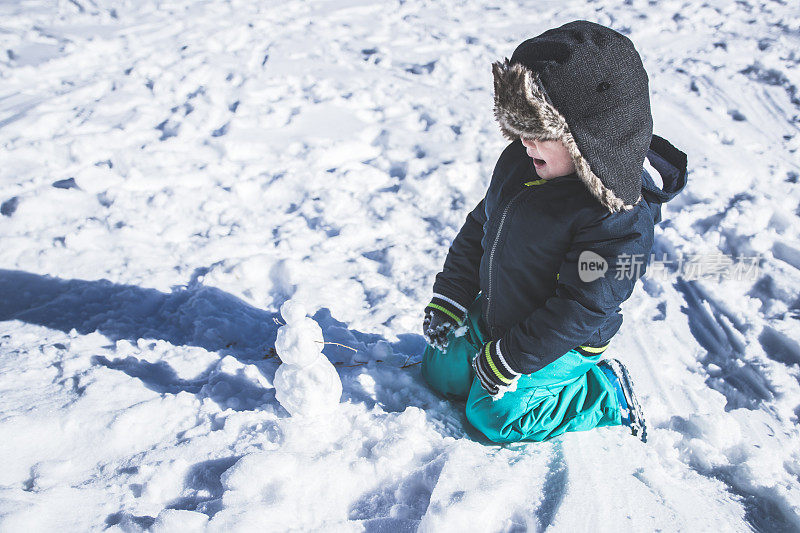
(171,172)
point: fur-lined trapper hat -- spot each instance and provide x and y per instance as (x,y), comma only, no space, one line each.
(583,84)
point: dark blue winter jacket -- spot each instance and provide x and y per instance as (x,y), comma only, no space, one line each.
(520,246)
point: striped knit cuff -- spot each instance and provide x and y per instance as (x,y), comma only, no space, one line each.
(497,364)
(449,307)
(591,351)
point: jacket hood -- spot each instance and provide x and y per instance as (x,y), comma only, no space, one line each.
(585,85)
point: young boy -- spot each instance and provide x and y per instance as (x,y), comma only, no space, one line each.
(543,262)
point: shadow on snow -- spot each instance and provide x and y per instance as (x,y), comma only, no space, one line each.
(195,315)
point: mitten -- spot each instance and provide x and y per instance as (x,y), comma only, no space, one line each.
(493,371)
(442,315)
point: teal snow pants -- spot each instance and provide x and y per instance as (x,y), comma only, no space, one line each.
(569,394)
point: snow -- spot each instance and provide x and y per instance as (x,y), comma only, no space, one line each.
(172,173)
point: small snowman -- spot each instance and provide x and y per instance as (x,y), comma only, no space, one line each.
(306,383)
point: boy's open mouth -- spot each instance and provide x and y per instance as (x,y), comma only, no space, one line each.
(538,162)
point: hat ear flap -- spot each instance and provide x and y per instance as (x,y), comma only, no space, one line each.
(505,98)
(521,105)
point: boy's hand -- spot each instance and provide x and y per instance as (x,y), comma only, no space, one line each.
(442,315)
(492,370)
(436,327)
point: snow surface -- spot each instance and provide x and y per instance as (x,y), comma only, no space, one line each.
(172,172)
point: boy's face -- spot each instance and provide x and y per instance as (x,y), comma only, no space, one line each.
(550,158)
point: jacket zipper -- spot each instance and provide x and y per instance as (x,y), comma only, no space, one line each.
(491,253)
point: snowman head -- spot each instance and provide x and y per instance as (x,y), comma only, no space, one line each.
(293,311)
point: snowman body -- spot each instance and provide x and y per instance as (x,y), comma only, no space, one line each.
(306,383)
